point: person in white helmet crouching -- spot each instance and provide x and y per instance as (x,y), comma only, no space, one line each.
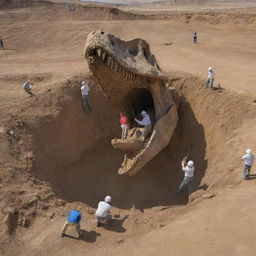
(145,122)
(102,212)
(188,175)
(211,76)
(248,162)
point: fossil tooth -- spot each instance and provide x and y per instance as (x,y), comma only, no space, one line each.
(103,56)
(99,52)
(109,60)
(116,66)
(112,64)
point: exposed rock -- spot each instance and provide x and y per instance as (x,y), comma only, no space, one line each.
(208,195)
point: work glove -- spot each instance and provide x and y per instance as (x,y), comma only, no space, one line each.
(184,160)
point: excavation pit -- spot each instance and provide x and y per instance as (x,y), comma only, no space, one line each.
(74,154)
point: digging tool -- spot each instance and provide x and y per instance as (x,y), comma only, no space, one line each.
(184,160)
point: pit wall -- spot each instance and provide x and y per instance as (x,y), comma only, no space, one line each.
(74,154)
(228,120)
(62,140)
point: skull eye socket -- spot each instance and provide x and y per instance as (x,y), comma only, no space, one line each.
(133,52)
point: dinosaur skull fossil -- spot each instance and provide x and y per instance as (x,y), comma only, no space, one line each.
(129,76)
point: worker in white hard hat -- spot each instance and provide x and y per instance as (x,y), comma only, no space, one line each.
(188,175)
(85,95)
(27,86)
(248,162)
(102,212)
(211,76)
(145,122)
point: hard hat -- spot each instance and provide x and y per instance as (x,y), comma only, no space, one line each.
(143,112)
(210,68)
(108,199)
(190,163)
(248,151)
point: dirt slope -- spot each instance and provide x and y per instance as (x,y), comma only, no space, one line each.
(60,155)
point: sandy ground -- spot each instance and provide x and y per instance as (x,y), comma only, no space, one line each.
(45,45)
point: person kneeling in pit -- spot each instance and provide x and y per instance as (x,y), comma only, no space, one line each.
(145,122)
(73,219)
(102,211)
(27,86)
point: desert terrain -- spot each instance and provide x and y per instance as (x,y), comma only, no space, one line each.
(54,157)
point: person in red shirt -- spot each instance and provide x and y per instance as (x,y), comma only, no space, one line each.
(124,125)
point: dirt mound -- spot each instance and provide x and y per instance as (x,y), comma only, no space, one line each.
(6,4)
(237,19)
(77,11)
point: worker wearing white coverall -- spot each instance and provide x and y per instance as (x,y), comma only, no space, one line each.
(211,76)
(102,211)
(248,162)
(188,176)
(146,122)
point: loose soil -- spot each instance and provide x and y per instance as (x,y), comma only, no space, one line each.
(60,158)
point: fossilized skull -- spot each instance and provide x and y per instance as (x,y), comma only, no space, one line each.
(130,77)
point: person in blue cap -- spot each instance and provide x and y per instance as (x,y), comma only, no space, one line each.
(74,218)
